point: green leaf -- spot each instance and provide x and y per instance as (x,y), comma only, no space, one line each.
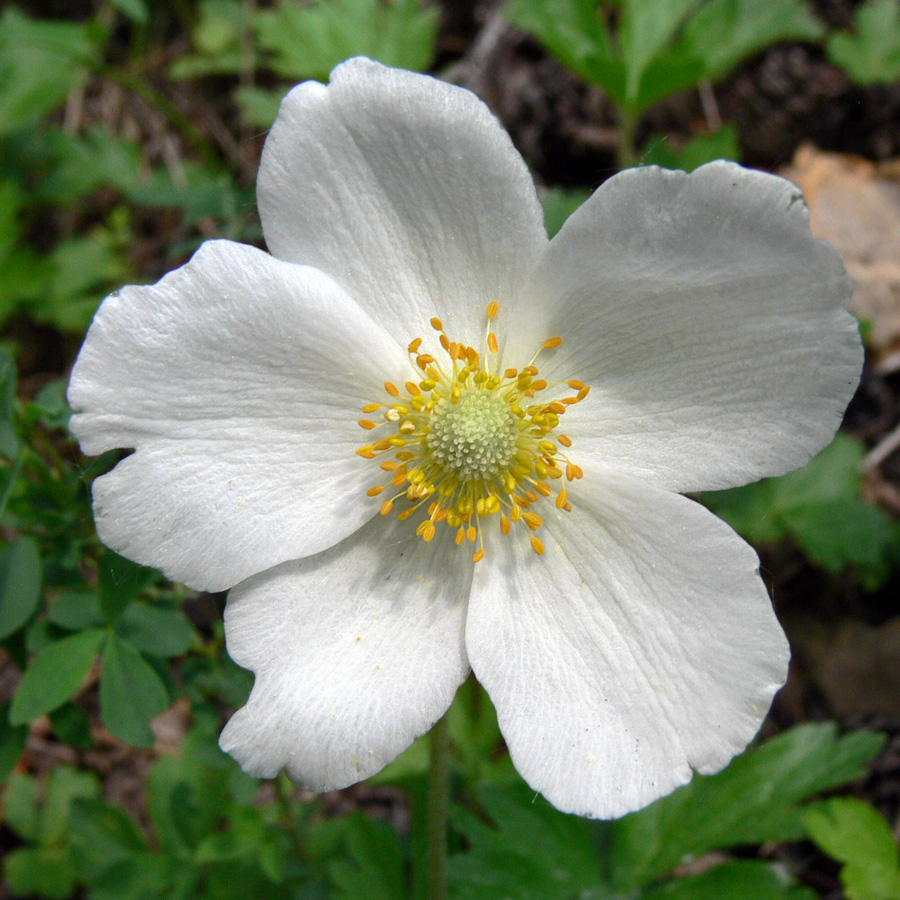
(156,631)
(258,106)
(65,785)
(723,33)
(559,204)
(121,580)
(576,33)
(21,576)
(309,40)
(853,833)
(102,836)
(84,269)
(76,610)
(131,693)
(734,880)
(136,10)
(71,726)
(12,742)
(55,675)
(21,808)
(700,149)
(820,508)
(646,27)
(871,53)
(9,437)
(40,63)
(51,406)
(42,871)
(507,860)
(752,801)
(375,870)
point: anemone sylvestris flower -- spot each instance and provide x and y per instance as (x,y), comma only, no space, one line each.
(419,437)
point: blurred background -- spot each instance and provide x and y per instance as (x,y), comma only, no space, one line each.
(130,132)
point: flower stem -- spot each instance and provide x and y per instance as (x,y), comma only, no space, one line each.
(625,155)
(438,805)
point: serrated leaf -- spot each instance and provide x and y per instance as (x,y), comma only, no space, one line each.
(131,693)
(646,26)
(723,33)
(820,508)
(377,868)
(55,675)
(853,833)
(21,576)
(756,799)
(531,852)
(309,40)
(575,32)
(870,54)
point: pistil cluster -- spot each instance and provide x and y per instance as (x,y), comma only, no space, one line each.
(466,441)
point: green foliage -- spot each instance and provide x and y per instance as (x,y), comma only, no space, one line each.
(756,799)
(20,584)
(131,693)
(855,834)
(660,47)
(559,205)
(530,851)
(299,41)
(818,507)
(41,815)
(309,40)
(700,149)
(40,63)
(55,675)
(870,54)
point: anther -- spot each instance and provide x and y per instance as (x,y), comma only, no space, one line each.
(537,545)
(492,309)
(550,343)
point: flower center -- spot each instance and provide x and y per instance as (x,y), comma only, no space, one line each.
(467,442)
(474,436)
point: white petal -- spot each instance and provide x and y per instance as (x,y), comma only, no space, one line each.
(357,652)
(708,322)
(238,381)
(407,191)
(641,645)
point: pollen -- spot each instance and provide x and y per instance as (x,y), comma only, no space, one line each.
(468,440)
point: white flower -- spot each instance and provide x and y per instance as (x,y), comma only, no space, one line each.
(638,642)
